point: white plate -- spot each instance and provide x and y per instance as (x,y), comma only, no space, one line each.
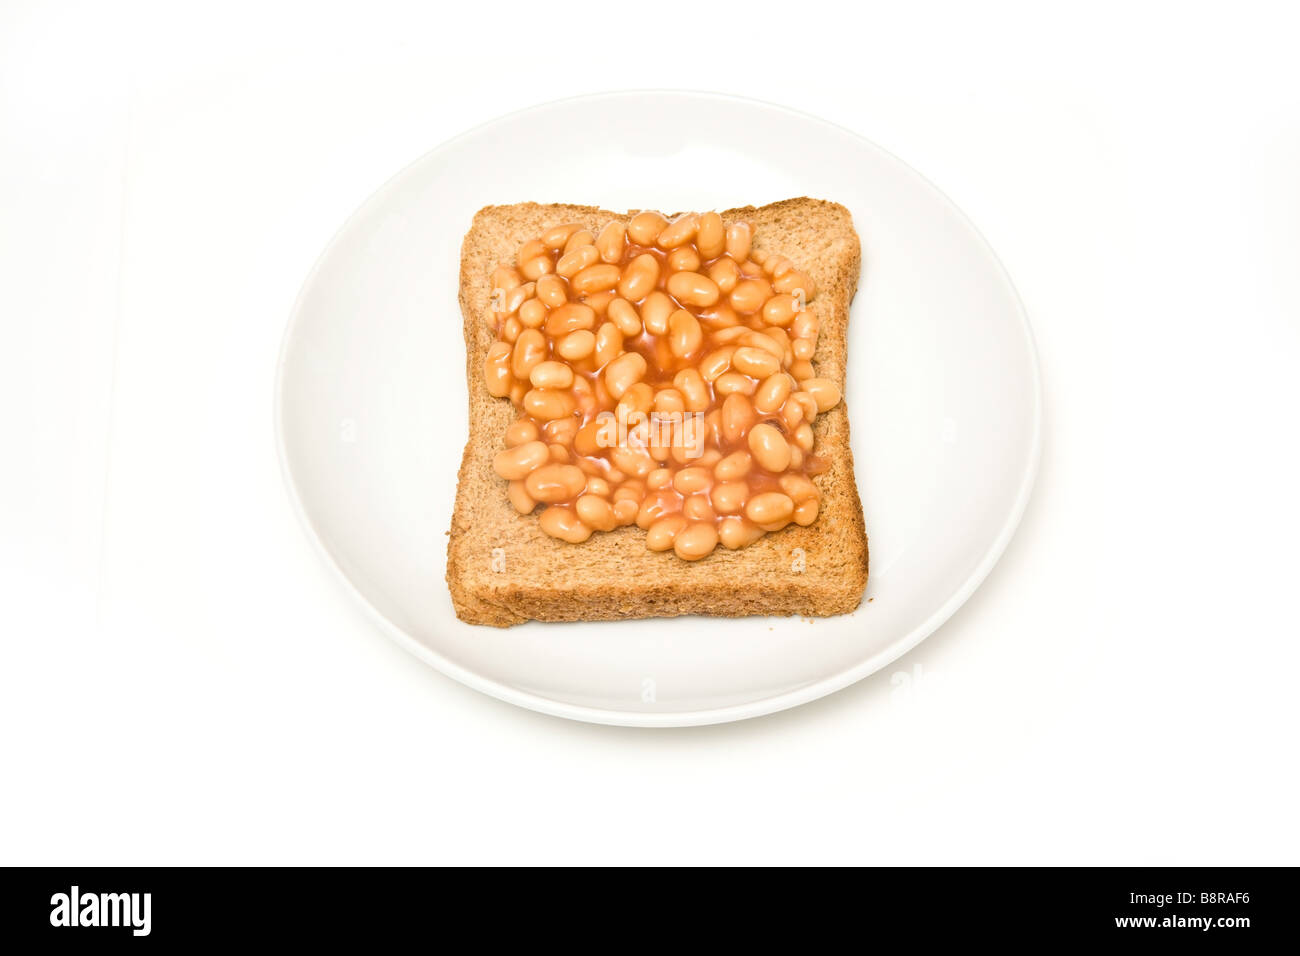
(942,389)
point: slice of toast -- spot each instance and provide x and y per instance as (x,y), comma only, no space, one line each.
(503,570)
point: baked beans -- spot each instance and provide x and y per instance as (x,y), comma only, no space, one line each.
(697,345)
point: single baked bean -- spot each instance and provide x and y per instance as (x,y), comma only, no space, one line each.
(636,399)
(695,541)
(546,404)
(510,331)
(657,504)
(729,497)
(802,349)
(748,295)
(532,314)
(721,323)
(680,450)
(713,426)
(733,467)
(669,401)
(659,479)
(804,326)
(537,267)
(631,462)
(678,232)
(780,337)
(777,266)
(515,464)
(769,448)
(505,278)
(587,441)
(729,336)
(596,513)
(571,263)
(771,507)
(738,241)
(625,511)
(550,290)
(683,259)
(551,375)
(559,433)
(779,310)
(552,483)
(803,437)
(808,404)
(659,535)
(577,345)
(691,288)
(805,512)
(610,241)
(655,311)
(609,343)
(801,369)
(684,333)
(521,432)
(639,277)
(716,362)
(771,341)
(659,445)
(794,281)
(624,315)
(733,382)
(530,348)
(711,236)
(579,239)
(695,393)
(735,532)
(711,456)
(798,487)
(661,355)
(773,392)
(792,413)
(632,489)
(528,251)
(737,417)
(824,392)
(561,522)
(755,361)
(496,370)
(519,497)
(511,301)
(698,507)
(555,237)
(690,481)
(595,278)
(569,318)
(645,227)
(725,274)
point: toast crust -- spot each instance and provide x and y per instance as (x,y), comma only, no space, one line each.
(503,570)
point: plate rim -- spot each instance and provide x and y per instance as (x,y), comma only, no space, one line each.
(636,718)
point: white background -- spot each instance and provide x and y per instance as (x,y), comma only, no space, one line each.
(181,679)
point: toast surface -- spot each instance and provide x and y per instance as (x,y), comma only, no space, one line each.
(816,571)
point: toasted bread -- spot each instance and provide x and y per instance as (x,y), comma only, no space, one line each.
(503,570)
